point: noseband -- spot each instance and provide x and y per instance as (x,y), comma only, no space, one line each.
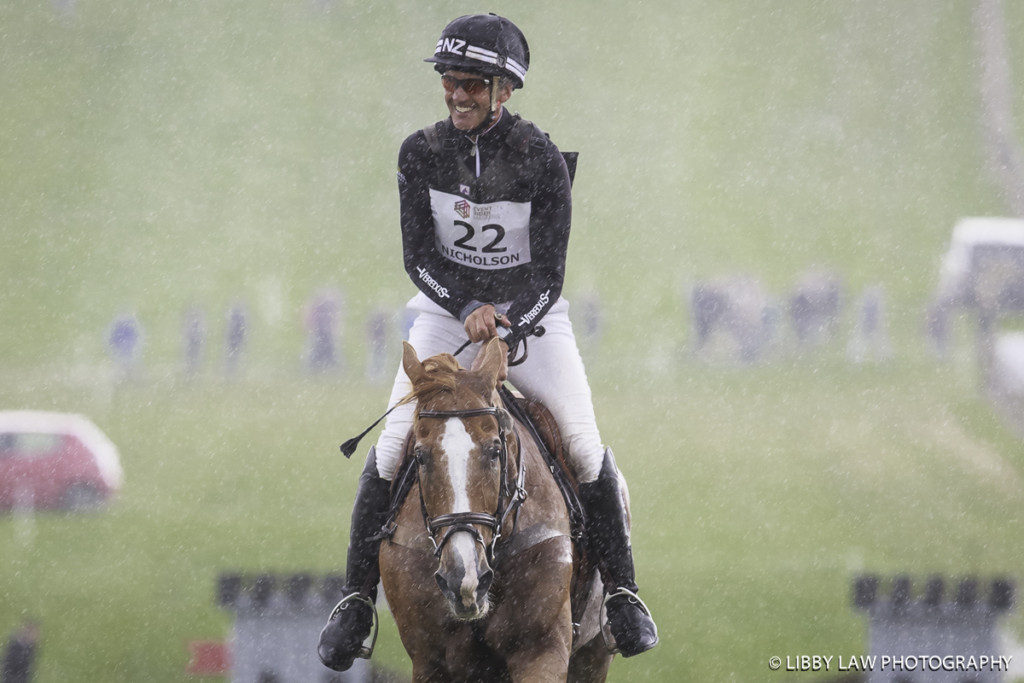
(509,501)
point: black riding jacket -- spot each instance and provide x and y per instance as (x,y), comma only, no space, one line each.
(486,222)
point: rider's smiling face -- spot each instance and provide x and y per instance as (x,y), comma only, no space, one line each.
(469,109)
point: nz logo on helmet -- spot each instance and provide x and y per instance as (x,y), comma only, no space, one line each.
(455,45)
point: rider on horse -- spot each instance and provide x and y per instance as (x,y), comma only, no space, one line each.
(485,212)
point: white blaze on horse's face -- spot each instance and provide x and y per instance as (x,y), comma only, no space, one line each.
(457,445)
(464,568)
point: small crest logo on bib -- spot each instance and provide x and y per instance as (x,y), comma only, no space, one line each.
(462,208)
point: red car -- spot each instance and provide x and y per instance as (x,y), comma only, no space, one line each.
(55,460)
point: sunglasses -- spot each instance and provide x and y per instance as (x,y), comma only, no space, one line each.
(470,86)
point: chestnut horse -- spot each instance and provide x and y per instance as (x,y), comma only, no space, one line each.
(478,569)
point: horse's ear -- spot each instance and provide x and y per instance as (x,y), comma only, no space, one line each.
(491,362)
(411,363)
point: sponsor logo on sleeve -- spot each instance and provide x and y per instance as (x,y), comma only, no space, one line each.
(432,283)
(530,315)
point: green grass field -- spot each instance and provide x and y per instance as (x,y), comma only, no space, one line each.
(163,154)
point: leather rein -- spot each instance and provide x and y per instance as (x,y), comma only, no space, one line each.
(509,499)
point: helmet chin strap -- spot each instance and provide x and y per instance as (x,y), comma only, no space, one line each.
(489,119)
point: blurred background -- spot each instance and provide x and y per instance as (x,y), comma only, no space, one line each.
(200,251)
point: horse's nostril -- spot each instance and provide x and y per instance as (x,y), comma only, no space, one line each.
(484,583)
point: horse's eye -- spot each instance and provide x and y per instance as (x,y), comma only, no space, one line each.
(420,453)
(493,449)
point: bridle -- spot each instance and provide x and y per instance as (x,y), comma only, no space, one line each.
(509,500)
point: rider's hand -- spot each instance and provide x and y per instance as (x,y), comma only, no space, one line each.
(482,323)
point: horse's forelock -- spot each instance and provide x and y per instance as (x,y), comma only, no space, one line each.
(443,374)
(440,376)
(442,362)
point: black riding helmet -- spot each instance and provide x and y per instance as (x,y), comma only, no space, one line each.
(483,43)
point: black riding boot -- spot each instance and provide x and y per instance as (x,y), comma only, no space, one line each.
(607,536)
(350,622)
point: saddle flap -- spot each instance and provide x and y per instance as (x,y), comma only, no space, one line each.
(547,430)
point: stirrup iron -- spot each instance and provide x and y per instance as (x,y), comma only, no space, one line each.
(606,631)
(364,651)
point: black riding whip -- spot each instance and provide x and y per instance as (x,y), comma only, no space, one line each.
(349,447)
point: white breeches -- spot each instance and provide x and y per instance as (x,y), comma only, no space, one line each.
(552,374)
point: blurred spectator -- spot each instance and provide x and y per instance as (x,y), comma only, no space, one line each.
(377,345)
(322,321)
(235,338)
(739,309)
(870,340)
(708,303)
(408,317)
(124,341)
(815,304)
(936,327)
(194,335)
(20,654)
(590,317)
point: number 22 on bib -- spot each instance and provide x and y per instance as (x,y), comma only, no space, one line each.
(489,236)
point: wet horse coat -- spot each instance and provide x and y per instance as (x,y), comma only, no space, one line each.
(463,614)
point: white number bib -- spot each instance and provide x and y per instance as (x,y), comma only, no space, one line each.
(485,236)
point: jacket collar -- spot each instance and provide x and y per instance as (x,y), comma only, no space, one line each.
(492,136)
